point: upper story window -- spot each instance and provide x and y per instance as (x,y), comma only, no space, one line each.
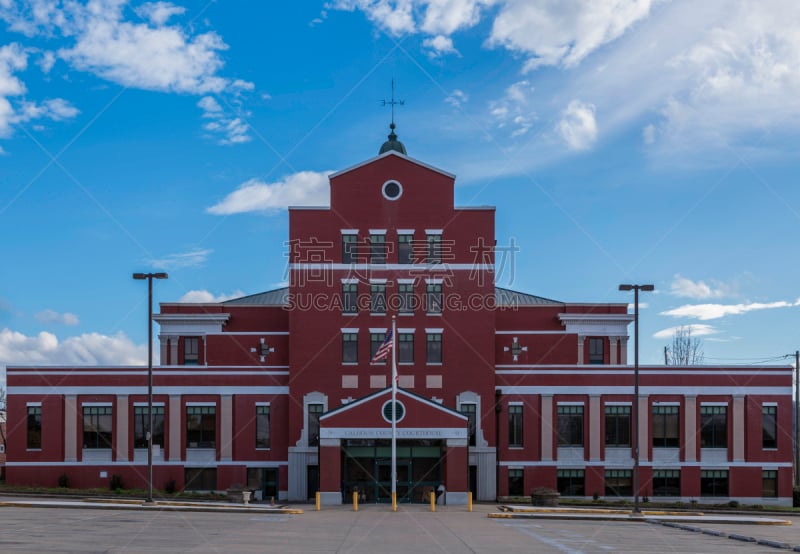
(570,425)
(375,342)
(666,427)
(434,349)
(433,298)
(349,248)
(515,425)
(405,295)
(377,248)
(434,248)
(377,298)
(349,348)
(201,426)
(349,298)
(405,248)
(314,413)
(405,348)
(596,351)
(141,422)
(191,350)
(618,425)
(713,426)
(470,410)
(262,426)
(769,426)
(97,427)
(34,427)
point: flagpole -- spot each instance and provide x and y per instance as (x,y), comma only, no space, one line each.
(394,415)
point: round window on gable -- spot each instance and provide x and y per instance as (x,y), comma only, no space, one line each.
(392,190)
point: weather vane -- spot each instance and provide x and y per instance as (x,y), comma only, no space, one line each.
(393,103)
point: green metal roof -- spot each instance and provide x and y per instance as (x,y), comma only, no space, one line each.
(277,297)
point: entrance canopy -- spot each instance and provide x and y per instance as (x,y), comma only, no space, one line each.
(370,418)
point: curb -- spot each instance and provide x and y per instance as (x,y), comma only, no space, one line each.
(732,536)
(156,506)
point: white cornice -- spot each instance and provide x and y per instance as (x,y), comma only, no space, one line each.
(596,324)
(391,153)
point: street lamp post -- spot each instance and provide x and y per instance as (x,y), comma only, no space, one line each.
(149,277)
(636,289)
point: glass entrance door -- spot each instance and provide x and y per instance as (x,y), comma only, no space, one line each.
(383,485)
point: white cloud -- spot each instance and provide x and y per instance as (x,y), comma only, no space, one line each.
(513,109)
(697,330)
(578,126)
(158,12)
(231,129)
(439,46)
(457,98)
(52,316)
(206,297)
(681,286)
(160,57)
(705,312)
(47,61)
(86,349)
(193,258)
(305,188)
(564,32)
(649,134)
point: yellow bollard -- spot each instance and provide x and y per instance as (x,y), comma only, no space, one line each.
(469,501)
(394,501)
(317,500)
(433,501)
(355,501)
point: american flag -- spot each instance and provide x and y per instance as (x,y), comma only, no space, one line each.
(384,349)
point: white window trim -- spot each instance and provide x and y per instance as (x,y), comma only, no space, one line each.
(570,403)
(262,404)
(377,330)
(142,404)
(377,281)
(405,231)
(349,281)
(433,231)
(713,404)
(349,329)
(406,330)
(769,404)
(666,403)
(435,331)
(623,403)
(96,404)
(33,404)
(377,231)
(406,281)
(188,404)
(516,403)
(349,231)
(434,281)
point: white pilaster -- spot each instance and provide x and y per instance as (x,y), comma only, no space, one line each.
(175,442)
(547,427)
(121,432)
(613,346)
(595,437)
(644,427)
(581,341)
(623,350)
(690,428)
(70,428)
(738,428)
(226,428)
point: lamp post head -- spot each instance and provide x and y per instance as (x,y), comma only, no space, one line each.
(637,287)
(143,276)
(621,287)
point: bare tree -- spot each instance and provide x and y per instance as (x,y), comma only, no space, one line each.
(685,349)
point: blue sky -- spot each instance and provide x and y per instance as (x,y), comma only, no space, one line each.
(620,140)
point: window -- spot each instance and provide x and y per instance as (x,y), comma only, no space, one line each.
(570,425)
(377,298)
(666,429)
(141,422)
(666,482)
(314,411)
(349,298)
(433,298)
(470,410)
(191,350)
(349,348)
(769,427)
(434,249)
(713,426)
(200,478)
(34,427)
(97,426)
(618,425)
(405,249)
(375,342)
(714,482)
(405,348)
(515,425)
(618,482)
(596,351)
(769,483)
(201,426)
(434,350)
(262,426)
(377,249)
(516,482)
(405,293)
(349,249)
(571,482)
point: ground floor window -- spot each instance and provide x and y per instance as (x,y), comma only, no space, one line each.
(201,426)
(769,483)
(571,482)
(200,478)
(666,482)
(141,421)
(264,479)
(714,482)
(97,427)
(516,482)
(618,482)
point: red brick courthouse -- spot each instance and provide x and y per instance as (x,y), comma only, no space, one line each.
(501,391)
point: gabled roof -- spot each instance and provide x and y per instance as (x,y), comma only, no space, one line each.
(388,390)
(392,153)
(507,297)
(276,297)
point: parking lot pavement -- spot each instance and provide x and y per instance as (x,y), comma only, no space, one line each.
(782,534)
(371,529)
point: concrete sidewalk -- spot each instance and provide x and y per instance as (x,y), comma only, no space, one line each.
(136,504)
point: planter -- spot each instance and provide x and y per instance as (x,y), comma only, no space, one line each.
(544,497)
(238,496)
